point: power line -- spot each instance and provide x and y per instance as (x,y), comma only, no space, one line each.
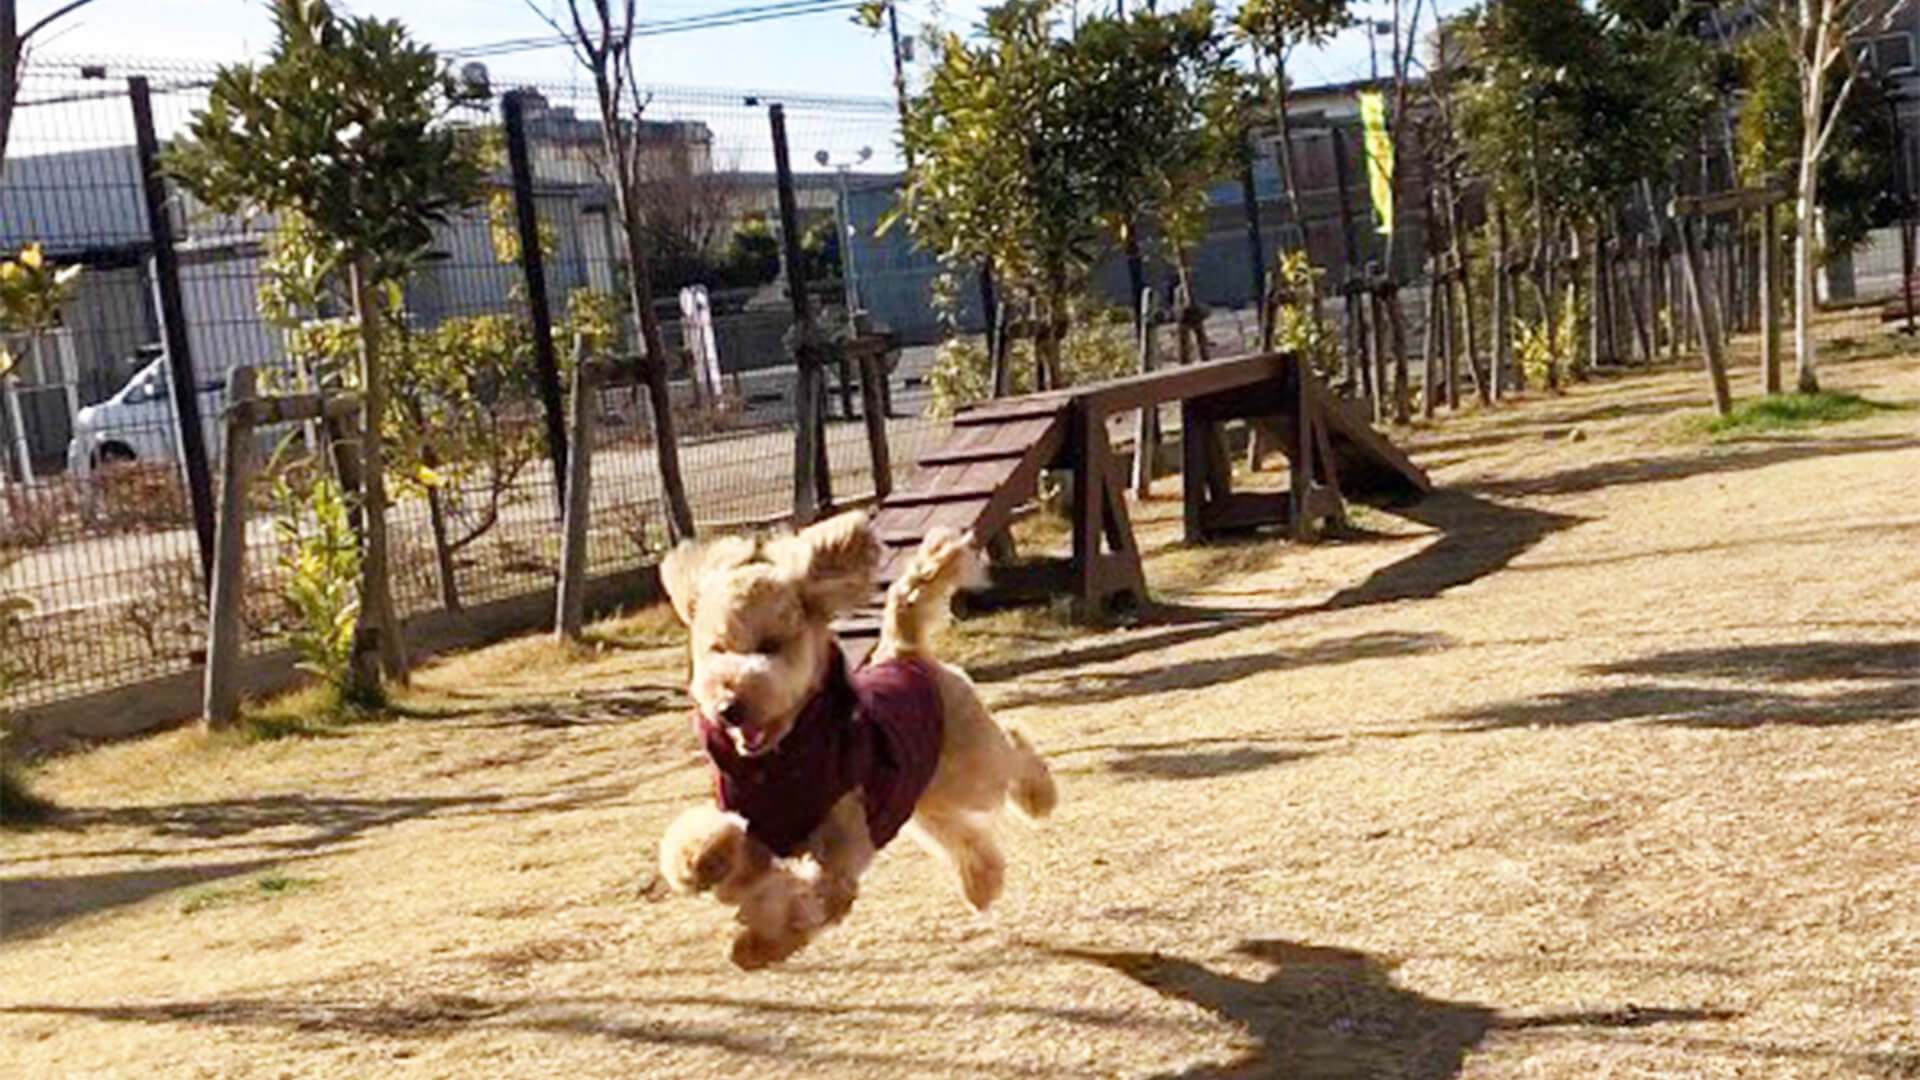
(741,16)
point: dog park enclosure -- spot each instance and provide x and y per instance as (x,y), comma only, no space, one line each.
(992,462)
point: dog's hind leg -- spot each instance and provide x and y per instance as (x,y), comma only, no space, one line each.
(966,839)
(1031,786)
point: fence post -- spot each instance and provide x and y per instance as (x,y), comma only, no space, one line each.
(173,326)
(812,486)
(571,599)
(533,270)
(229,579)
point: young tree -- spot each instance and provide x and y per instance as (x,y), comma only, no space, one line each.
(1035,150)
(604,43)
(1820,31)
(1857,178)
(1003,166)
(15,44)
(343,126)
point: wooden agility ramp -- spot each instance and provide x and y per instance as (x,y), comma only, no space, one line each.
(992,462)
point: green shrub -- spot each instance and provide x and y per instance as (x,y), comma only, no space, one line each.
(1099,345)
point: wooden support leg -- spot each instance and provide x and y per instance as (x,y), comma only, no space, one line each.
(1301,453)
(1193,473)
(1089,499)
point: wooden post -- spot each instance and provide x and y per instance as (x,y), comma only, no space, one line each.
(571,598)
(228,598)
(1770,300)
(1703,301)
(873,404)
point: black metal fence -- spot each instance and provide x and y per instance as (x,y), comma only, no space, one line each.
(98,504)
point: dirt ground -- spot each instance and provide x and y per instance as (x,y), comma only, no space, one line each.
(1602,761)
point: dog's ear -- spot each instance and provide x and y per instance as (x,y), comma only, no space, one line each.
(832,562)
(686,567)
(680,576)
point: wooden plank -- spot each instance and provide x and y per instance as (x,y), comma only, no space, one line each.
(1181,383)
(1026,408)
(1246,510)
(900,499)
(968,455)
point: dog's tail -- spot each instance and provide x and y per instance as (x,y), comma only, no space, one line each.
(919,601)
(1033,792)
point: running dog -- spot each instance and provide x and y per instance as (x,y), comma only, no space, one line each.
(817,767)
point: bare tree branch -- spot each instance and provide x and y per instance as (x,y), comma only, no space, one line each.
(64,9)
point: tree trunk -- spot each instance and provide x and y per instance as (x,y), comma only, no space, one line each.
(653,368)
(1397,323)
(1468,318)
(1502,361)
(1436,314)
(1805,205)
(378,624)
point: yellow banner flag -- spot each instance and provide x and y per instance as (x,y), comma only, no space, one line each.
(1378,145)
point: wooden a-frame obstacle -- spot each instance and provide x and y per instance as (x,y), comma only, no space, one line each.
(992,462)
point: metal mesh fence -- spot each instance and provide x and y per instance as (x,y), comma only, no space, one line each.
(97,509)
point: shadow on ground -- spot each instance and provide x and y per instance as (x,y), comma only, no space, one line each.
(1477,537)
(1197,674)
(1880,684)
(296,825)
(1331,1012)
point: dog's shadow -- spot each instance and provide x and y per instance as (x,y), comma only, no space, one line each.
(1332,1012)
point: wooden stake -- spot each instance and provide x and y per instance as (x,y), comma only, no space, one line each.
(222,691)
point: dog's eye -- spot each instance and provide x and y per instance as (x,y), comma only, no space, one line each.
(767,646)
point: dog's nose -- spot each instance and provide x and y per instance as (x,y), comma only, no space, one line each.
(734,714)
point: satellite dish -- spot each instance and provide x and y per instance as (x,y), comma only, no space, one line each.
(865,153)
(820,156)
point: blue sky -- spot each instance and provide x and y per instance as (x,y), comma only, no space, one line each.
(820,53)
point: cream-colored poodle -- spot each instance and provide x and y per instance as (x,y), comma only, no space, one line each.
(816,767)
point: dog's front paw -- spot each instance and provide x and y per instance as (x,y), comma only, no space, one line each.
(702,849)
(755,948)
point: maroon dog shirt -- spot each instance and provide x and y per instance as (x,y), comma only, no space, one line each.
(877,729)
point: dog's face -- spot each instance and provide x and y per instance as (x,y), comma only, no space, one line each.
(757,614)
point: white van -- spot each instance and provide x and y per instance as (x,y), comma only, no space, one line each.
(137,423)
